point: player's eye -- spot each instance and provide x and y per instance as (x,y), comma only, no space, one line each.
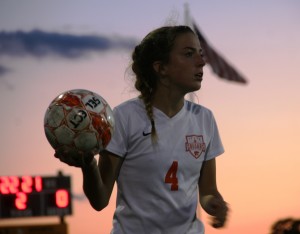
(189,54)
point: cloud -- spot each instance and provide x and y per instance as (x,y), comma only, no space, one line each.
(38,43)
(3,70)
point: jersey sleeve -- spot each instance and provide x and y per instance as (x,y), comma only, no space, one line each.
(215,146)
(117,144)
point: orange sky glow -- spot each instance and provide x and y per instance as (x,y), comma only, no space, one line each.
(259,122)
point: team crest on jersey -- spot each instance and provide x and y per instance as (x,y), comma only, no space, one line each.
(195,145)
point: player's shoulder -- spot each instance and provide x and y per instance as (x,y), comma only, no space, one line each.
(129,106)
(197,109)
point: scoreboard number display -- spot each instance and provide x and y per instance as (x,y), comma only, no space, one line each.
(32,196)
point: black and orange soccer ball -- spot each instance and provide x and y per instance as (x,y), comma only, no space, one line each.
(79,120)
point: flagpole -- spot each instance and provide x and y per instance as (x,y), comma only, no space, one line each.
(187,22)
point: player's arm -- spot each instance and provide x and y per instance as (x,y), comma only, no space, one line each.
(99,180)
(210,198)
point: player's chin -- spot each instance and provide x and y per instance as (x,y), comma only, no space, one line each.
(195,87)
(197,84)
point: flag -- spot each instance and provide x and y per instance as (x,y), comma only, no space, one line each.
(218,64)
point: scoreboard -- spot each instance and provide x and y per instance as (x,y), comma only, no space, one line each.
(33,196)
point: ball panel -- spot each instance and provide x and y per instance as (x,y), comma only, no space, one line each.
(103,127)
(86,141)
(69,98)
(54,116)
(93,103)
(64,135)
(110,116)
(78,119)
(51,138)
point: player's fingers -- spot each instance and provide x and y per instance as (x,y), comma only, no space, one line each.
(220,218)
(218,222)
(58,153)
(69,159)
(76,159)
(87,159)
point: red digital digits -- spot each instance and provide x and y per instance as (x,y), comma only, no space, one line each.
(20,186)
(25,184)
(38,183)
(21,201)
(62,198)
(13,184)
(4,185)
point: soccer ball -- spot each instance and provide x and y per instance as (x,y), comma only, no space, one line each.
(79,120)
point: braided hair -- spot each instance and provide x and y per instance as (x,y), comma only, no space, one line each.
(156,46)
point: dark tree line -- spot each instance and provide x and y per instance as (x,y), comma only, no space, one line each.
(286,226)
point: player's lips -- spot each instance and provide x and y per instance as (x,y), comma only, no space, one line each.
(198,76)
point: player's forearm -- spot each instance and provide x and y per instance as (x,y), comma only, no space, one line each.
(204,198)
(207,192)
(93,186)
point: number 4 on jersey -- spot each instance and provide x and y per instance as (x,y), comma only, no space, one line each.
(171,176)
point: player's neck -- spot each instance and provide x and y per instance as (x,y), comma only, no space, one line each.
(168,104)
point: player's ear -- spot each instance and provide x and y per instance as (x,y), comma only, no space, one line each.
(159,68)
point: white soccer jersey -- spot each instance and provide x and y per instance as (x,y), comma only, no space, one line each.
(157,185)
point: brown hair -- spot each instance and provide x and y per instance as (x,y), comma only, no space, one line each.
(156,46)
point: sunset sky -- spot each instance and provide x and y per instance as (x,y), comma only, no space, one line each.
(258,174)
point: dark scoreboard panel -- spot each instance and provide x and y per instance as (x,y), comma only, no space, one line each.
(32,196)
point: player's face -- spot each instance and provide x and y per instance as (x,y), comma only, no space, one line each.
(185,67)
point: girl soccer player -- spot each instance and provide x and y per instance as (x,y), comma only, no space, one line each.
(162,153)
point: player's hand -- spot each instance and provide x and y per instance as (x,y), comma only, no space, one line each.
(218,209)
(76,159)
